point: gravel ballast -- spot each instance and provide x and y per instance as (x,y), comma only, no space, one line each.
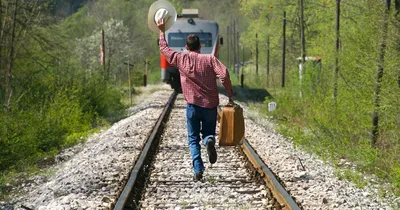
(92,177)
(89,175)
(227,184)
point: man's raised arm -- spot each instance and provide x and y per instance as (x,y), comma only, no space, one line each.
(171,55)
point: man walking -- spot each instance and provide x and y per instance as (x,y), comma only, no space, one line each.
(198,74)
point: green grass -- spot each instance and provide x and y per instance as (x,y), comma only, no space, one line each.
(211,179)
(353,176)
(332,131)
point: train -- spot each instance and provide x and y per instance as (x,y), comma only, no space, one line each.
(189,23)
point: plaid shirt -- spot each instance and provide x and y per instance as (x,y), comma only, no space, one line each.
(198,75)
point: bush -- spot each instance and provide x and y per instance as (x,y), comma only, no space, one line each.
(30,134)
(101,99)
(42,124)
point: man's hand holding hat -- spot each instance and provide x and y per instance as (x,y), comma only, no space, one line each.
(161,9)
(161,25)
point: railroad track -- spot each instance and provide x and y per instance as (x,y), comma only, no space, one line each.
(162,175)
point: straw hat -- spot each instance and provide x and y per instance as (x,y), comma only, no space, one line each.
(161,9)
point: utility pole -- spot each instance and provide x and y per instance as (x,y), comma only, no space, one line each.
(335,84)
(228,47)
(145,75)
(268,49)
(283,48)
(268,56)
(103,49)
(238,47)
(256,53)
(303,45)
(234,47)
(303,42)
(238,56)
(243,55)
(129,83)
(242,76)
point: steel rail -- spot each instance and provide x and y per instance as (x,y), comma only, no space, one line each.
(144,155)
(285,200)
(283,197)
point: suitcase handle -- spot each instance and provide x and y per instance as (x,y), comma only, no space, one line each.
(229,104)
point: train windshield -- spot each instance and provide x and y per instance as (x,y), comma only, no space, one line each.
(179,39)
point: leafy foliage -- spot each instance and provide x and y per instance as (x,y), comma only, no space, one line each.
(307,111)
(55,90)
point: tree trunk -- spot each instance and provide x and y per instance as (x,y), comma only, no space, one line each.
(397,6)
(4,22)
(1,40)
(11,64)
(379,75)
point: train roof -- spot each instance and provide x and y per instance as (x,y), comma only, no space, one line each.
(189,13)
(194,25)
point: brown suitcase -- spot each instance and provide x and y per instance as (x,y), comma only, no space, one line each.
(231,125)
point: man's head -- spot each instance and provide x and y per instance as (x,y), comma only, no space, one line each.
(193,43)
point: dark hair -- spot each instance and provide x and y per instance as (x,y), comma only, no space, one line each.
(193,42)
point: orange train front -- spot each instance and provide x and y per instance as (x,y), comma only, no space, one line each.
(188,23)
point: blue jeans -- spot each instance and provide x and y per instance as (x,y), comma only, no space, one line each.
(206,119)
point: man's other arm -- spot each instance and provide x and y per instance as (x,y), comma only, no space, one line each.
(222,72)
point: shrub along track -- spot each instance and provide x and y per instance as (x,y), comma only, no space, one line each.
(162,177)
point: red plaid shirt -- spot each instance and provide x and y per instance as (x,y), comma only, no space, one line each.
(198,75)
